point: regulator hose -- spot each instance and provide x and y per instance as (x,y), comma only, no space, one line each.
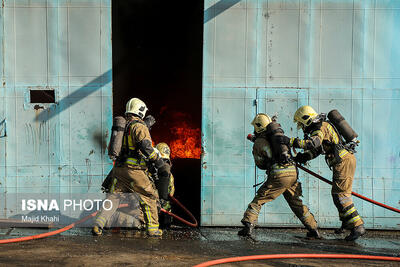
(353,193)
(293,256)
(72,225)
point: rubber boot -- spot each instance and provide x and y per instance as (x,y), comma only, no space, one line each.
(155,233)
(355,233)
(340,230)
(97,231)
(247,230)
(314,234)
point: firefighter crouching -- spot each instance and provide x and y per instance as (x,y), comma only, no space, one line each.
(271,153)
(130,173)
(165,153)
(323,138)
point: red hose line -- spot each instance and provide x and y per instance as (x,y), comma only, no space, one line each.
(55,232)
(72,225)
(292,256)
(66,228)
(194,224)
(353,193)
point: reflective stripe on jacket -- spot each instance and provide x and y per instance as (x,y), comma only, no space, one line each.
(137,132)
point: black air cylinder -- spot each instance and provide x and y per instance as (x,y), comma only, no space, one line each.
(279,149)
(117,134)
(342,126)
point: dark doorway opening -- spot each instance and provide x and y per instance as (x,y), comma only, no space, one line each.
(157,57)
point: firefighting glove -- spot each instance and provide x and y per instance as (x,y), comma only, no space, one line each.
(152,169)
(301,158)
(149,121)
(165,204)
(294,142)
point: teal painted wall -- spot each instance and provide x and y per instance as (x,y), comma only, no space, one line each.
(59,149)
(275,56)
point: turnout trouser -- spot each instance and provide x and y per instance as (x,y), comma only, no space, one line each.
(114,217)
(129,180)
(343,176)
(280,182)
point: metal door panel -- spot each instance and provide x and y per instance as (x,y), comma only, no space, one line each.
(57,147)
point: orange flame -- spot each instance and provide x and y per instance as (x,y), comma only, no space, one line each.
(185,142)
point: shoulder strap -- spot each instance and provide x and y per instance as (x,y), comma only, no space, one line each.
(126,133)
(337,132)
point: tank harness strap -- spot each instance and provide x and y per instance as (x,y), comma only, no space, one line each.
(132,156)
(339,149)
(117,128)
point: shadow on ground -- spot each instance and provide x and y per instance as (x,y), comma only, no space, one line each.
(187,247)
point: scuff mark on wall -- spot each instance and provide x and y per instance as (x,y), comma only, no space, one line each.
(88,173)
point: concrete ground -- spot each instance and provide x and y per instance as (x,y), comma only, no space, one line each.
(187,247)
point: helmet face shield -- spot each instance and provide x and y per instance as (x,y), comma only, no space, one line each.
(260,122)
(304,116)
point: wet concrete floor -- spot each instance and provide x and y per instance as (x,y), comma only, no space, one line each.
(187,247)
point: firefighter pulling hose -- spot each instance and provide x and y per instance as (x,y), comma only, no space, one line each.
(326,137)
(271,153)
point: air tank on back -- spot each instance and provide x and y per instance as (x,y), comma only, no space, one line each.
(279,149)
(342,125)
(117,134)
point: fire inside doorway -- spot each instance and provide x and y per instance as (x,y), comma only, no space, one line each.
(157,57)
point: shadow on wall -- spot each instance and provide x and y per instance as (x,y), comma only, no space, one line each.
(76,96)
(218,8)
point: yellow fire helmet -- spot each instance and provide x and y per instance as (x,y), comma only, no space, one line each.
(164,150)
(137,107)
(304,116)
(260,122)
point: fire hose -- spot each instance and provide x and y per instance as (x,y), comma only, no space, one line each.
(295,256)
(251,138)
(353,193)
(72,225)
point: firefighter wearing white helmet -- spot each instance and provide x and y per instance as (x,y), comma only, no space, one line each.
(165,152)
(137,107)
(271,153)
(130,173)
(323,138)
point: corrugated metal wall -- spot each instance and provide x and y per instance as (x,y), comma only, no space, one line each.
(65,46)
(274,56)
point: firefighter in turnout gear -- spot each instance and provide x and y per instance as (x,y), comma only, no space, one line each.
(165,152)
(271,153)
(321,137)
(130,173)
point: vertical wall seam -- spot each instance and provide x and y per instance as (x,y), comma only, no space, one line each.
(372,119)
(298,47)
(47,44)
(15,108)
(69,110)
(266,47)
(5,108)
(101,95)
(212,124)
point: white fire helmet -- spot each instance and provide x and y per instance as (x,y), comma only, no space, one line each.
(137,107)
